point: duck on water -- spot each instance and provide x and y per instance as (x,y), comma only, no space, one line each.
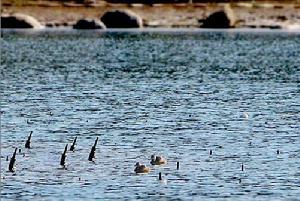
(139,168)
(157,160)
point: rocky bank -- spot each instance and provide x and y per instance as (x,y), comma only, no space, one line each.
(249,15)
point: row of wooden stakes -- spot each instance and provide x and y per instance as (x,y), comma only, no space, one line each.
(72,148)
(11,166)
(13,158)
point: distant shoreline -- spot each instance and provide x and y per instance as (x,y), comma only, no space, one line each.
(70,30)
(249,15)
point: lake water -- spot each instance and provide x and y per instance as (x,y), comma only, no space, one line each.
(178,94)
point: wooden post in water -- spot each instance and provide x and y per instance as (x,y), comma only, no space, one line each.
(63,157)
(12,161)
(72,148)
(177,165)
(93,151)
(210,152)
(159,176)
(242,167)
(28,141)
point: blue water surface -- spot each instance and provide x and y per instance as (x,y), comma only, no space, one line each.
(178,94)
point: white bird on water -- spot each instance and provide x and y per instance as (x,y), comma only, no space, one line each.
(245,115)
